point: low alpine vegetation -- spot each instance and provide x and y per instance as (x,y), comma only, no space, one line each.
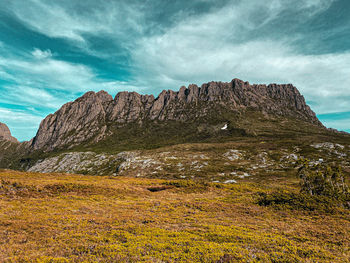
(322,188)
(81,218)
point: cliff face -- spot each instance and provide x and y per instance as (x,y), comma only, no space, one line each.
(88,117)
(74,122)
(5,133)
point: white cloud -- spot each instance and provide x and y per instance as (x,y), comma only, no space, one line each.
(41,54)
(50,74)
(29,97)
(115,86)
(22,124)
(218,45)
(70,20)
(7,115)
(52,19)
(196,49)
(201,49)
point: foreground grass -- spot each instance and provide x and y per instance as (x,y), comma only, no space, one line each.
(73,218)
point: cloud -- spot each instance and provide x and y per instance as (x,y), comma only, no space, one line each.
(52,19)
(167,44)
(16,115)
(201,49)
(40,84)
(41,54)
(74,21)
(49,73)
(23,124)
(31,97)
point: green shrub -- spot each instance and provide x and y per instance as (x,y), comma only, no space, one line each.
(283,200)
(323,189)
(322,179)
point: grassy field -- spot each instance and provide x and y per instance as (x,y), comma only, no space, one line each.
(75,218)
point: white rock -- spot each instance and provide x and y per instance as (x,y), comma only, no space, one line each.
(230,181)
(225,127)
(244,175)
(327,145)
(233,155)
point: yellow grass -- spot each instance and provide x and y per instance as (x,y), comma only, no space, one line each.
(74,218)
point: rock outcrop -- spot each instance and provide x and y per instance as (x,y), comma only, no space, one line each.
(89,117)
(169,105)
(5,133)
(75,122)
(176,163)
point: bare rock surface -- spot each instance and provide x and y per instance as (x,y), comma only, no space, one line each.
(74,123)
(5,133)
(77,162)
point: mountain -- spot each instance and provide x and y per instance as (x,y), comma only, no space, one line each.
(11,150)
(222,153)
(95,117)
(5,134)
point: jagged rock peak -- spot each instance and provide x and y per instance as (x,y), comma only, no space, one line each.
(74,122)
(5,133)
(88,117)
(101,95)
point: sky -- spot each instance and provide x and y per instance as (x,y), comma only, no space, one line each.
(52,52)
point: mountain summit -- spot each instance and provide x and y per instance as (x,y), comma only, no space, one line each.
(5,133)
(96,116)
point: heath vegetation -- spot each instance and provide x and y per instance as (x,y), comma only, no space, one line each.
(81,218)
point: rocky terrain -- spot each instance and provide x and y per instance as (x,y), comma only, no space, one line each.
(226,162)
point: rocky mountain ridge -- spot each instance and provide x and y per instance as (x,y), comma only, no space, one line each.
(90,116)
(5,134)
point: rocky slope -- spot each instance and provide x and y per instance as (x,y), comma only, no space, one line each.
(90,117)
(224,162)
(5,133)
